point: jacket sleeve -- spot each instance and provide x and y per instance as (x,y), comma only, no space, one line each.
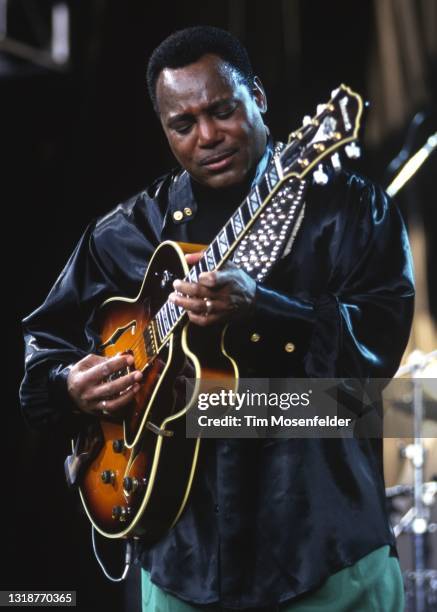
(359,325)
(110,259)
(57,334)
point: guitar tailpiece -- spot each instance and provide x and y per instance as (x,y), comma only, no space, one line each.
(127,559)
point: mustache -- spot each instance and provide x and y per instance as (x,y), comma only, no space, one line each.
(211,159)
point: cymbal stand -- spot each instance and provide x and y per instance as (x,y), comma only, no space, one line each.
(416,521)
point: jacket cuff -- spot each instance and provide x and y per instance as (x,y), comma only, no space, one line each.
(58,388)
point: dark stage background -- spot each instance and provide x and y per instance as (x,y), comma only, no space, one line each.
(78,140)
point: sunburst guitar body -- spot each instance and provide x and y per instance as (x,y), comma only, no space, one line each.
(140,478)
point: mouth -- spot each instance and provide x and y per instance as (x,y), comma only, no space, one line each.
(219,161)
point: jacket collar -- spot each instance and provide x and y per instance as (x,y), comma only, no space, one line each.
(182,205)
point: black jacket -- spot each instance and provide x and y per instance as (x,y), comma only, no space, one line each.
(267,519)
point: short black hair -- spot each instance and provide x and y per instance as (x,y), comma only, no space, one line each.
(186,46)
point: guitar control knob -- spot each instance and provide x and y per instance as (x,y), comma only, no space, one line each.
(107,476)
(130,484)
(120,513)
(116,512)
(118,446)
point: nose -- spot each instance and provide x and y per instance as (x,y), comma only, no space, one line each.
(208,133)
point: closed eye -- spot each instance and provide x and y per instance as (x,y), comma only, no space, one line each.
(224,111)
(225,114)
(182,129)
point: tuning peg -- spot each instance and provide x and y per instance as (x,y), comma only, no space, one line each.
(334,92)
(306,120)
(352,150)
(320,177)
(321,108)
(336,163)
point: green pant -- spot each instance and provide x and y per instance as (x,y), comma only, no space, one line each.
(373,584)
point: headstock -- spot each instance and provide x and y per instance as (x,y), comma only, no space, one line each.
(336,124)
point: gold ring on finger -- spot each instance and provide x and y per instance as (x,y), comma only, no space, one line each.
(104,411)
(208,306)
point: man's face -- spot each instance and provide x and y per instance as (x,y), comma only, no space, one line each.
(212,121)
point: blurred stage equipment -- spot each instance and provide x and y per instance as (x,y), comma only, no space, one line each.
(417,521)
(412,165)
(35,32)
(421,583)
(415,161)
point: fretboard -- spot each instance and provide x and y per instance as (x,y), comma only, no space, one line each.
(169,316)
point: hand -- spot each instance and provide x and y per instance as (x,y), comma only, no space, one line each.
(218,296)
(88,387)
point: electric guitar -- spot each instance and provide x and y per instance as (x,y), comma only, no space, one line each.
(134,475)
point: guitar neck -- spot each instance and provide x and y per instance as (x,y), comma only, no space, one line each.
(224,244)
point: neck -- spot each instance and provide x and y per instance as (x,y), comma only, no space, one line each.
(234,194)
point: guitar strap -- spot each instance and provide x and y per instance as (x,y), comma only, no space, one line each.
(272,235)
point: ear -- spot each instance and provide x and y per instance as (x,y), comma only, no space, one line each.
(259,94)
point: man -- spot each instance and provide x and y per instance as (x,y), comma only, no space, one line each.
(296,524)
